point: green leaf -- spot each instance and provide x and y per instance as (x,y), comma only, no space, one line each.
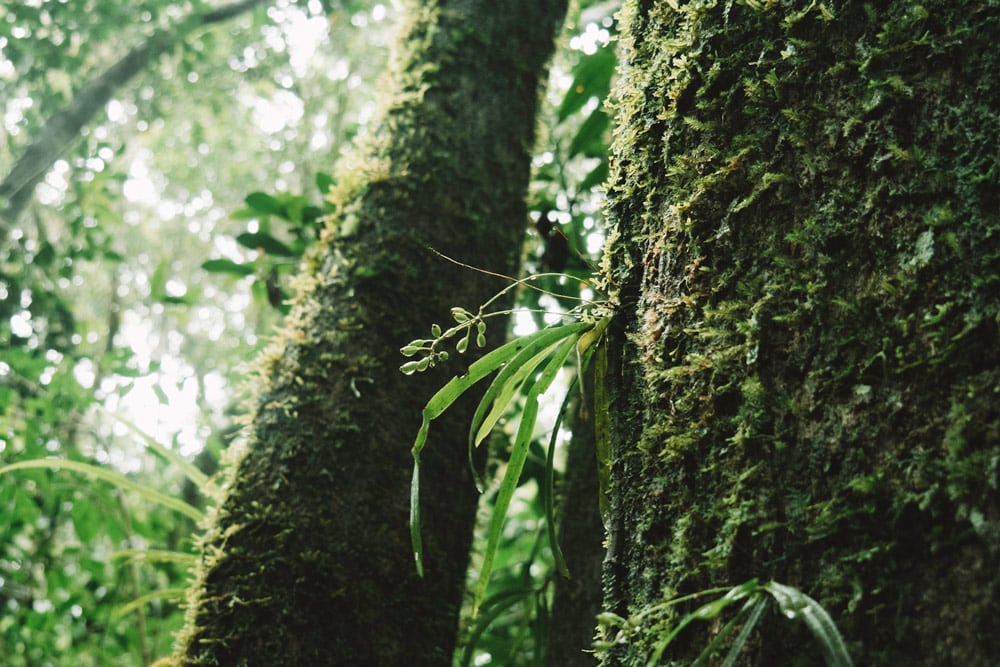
(227,266)
(168,454)
(116,478)
(704,612)
(261,241)
(793,603)
(550,487)
(589,140)
(757,610)
(518,455)
(156,556)
(504,387)
(591,78)
(86,520)
(448,394)
(163,594)
(324,182)
(264,203)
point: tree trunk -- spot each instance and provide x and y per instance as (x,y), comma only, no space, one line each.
(308,559)
(62,129)
(581,536)
(806,211)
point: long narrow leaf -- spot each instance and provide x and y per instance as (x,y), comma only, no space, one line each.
(549,490)
(505,386)
(723,634)
(707,611)
(479,369)
(796,604)
(448,394)
(156,556)
(197,477)
(416,542)
(507,381)
(162,594)
(503,389)
(518,454)
(116,478)
(741,639)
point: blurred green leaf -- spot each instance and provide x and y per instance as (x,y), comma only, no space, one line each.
(590,140)
(591,78)
(261,241)
(227,266)
(264,203)
(324,182)
(86,520)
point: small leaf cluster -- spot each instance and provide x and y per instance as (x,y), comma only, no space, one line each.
(430,348)
(792,603)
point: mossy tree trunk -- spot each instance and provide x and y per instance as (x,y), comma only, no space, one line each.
(806,204)
(308,559)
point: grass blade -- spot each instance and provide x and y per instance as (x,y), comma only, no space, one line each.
(116,478)
(757,610)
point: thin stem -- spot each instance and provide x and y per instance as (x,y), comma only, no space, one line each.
(516,282)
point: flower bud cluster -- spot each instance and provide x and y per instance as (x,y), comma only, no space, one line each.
(429,349)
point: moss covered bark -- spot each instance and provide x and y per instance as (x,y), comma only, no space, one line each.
(806,198)
(308,560)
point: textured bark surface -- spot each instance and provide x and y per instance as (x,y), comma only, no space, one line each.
(308,560)
(581,535)
(806,198)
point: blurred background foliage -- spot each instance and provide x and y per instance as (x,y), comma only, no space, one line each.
(155,258)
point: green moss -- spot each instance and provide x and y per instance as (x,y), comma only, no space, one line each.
(806,197)
(307,560)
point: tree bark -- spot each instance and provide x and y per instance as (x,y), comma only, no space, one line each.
(62,129)
(308,559)
(578,598)
(805,203)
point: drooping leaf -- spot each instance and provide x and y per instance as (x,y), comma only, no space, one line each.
(448,394)
(793,603)
(116,478)
(515,464)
